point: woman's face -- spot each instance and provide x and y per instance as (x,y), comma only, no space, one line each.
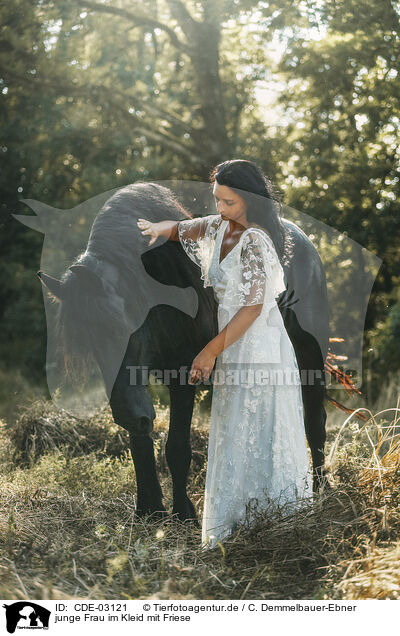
(230,205)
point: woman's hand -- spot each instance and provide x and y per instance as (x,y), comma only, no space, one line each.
(169,229)
(146,227)
(202,366)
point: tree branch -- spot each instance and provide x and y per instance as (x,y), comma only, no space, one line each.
(136,18)
(169,142)
(93,93)
(188,24)
(109,94)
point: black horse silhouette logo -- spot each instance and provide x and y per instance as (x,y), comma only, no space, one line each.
(27,615)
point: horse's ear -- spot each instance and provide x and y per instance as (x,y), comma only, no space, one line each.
(34,222)
(89,278)
(54,285)
(43,212)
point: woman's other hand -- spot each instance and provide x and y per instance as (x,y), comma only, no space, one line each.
(202,366)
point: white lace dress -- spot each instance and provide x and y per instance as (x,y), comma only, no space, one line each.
(257,447)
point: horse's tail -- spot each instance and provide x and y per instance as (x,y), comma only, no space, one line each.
(343,378)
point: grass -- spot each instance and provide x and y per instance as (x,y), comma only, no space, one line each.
(68,529)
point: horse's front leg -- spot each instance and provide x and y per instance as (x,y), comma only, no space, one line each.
(133,409)
(149,493)
(178,450)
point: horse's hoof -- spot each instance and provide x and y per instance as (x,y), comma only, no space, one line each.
(158,515)
(184,523)
(151,514)
(186,513)
(190,522)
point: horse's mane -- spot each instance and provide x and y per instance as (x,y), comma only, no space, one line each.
(115,235)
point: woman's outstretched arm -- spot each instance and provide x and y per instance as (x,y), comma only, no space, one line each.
(187,230)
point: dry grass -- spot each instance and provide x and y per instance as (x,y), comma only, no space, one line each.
(41,429)
(67,524)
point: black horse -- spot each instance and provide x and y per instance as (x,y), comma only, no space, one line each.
(115,304)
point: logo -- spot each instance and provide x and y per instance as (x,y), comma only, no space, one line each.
(26,615)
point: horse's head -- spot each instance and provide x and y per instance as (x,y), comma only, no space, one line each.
(92,323)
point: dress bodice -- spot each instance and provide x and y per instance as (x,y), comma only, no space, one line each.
(250,274)
(261,341)
(218,273)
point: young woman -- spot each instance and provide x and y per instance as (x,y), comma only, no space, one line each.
(257,446)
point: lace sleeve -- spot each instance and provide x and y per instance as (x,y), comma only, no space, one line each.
(197,237)
(261,274)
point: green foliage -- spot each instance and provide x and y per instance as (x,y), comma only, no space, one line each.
(386,339)
(339,148)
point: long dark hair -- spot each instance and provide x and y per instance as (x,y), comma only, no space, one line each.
(263,210)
